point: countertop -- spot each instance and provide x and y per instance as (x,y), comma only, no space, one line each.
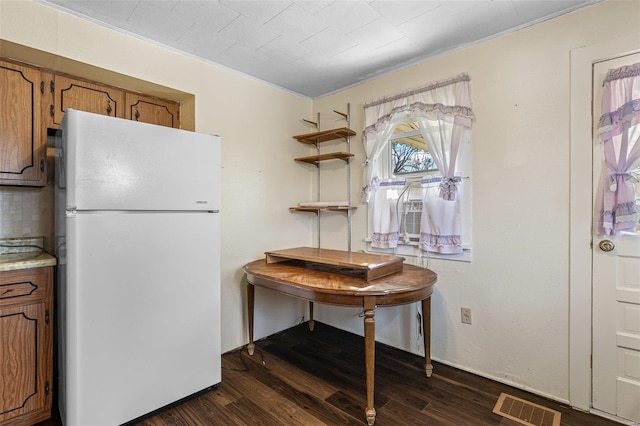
(23,253)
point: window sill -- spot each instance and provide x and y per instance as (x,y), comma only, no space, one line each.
(411,249)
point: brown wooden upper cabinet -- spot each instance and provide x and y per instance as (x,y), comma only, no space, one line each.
(94,97)
(147,109)
(33,100)
(86,96)
(22,133)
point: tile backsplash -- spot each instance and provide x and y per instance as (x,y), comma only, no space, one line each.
(29,212)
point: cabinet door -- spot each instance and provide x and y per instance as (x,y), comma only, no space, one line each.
(86,96)
(152,110)
(22,135)
(26,346)
(22,366)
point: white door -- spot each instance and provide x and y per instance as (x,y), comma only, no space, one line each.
(616,296)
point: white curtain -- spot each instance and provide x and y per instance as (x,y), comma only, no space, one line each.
(441,225)
(619,131)
(443,112)
(386,214)
(380,120)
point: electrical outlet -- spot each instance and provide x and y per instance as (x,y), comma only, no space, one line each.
(465,315)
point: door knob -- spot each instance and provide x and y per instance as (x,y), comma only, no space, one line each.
(606,245)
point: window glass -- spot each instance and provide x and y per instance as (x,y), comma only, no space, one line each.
(409,153)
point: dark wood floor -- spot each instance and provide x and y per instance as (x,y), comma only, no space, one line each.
(307,378)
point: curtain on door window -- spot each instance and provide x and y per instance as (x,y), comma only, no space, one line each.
(619,132)
(443,112)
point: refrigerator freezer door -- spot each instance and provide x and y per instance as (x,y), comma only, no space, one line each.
(117,164)
(142,313)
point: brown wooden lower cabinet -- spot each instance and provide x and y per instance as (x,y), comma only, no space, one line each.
(26,345)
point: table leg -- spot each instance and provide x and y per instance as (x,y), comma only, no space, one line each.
(250,302)
(369,354)
(311,322)
(426,333)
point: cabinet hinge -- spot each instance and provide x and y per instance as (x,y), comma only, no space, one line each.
(41,166)
(51,110)
(46,388)
(47,317)
(42,87)
(52,85)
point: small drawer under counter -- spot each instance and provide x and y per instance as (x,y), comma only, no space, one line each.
(22,286)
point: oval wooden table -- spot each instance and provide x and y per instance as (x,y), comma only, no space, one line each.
(335,286)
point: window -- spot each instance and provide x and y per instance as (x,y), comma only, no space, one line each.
(407,158)
(417,148)
(410,159)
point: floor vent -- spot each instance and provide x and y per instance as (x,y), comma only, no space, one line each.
(525,412)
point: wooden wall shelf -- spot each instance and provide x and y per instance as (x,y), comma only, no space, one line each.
(316,159)
(325,135)
(315,138)
(327,208)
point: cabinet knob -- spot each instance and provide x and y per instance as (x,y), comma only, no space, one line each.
(137,115)
(109,109)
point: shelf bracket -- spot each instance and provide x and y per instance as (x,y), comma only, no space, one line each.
(345,116)
(313,123)
(308,210)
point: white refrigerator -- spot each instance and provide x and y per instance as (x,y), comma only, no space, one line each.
(138,283)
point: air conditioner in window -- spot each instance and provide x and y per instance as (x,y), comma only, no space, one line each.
(410,221)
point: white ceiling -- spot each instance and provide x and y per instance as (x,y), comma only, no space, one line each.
(311,47)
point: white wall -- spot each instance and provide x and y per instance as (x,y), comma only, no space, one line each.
(517,285)
(254,120)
